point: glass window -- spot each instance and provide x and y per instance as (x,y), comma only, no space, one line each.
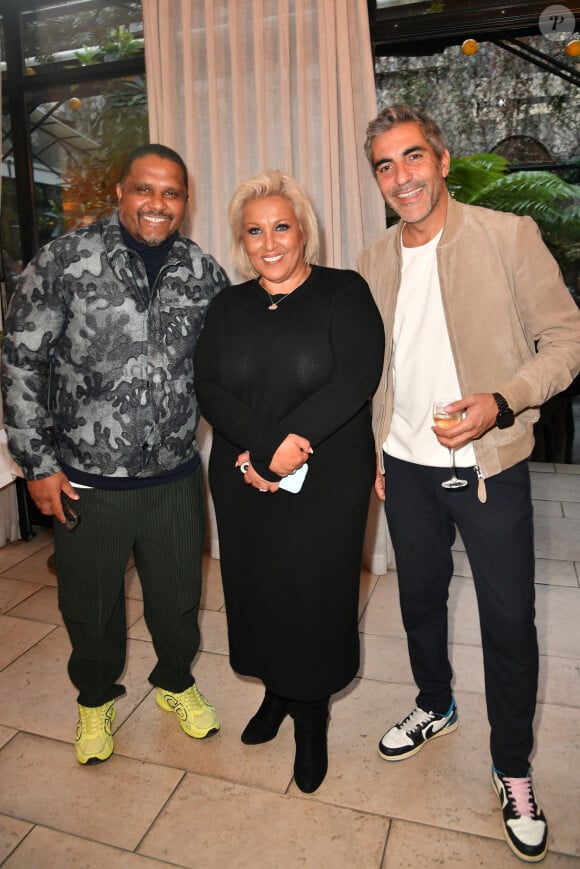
(10,247)
(79,145)
(386,4)
(70,121)
(10,241)
(81,33)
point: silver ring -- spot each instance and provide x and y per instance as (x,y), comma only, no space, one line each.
(262,490)
(244,467)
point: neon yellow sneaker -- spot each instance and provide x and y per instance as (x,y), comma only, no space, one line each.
(94,737)
(196,716)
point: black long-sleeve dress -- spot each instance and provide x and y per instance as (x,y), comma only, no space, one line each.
(291,562)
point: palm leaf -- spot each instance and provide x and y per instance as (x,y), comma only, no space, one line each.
(553,203)
(484,179)
(468,176)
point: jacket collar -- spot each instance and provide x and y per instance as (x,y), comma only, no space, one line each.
(453,220)
(450,227)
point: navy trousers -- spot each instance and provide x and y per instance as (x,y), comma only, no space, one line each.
(164,528)
(498,538)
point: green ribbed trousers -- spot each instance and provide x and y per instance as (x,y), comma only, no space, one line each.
(164,528)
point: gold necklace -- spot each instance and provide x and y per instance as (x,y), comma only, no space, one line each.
(273,306)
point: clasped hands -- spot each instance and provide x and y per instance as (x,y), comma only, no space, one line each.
(292,453)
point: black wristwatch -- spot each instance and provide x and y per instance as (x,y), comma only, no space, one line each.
(505,416)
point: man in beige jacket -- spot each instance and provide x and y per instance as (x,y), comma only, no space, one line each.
(476,313)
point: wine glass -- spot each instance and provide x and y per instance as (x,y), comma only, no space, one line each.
(442,419)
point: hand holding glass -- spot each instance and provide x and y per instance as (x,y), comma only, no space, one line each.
(442,419)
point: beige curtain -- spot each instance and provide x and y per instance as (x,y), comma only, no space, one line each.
(240,85)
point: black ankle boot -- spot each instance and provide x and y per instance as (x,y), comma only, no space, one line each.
(266,722)
(311,762)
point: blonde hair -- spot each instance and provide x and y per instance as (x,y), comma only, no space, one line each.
(271,182)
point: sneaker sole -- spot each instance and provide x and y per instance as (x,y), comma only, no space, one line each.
(93,759)
(513,847)
(199,733)
(395,758)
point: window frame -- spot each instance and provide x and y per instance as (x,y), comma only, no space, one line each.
(17,87)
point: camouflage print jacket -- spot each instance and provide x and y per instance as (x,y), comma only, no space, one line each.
(95,375)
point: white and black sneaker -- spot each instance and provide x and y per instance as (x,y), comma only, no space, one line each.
(407,738)
(524,823)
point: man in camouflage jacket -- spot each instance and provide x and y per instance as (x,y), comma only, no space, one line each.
(100,413)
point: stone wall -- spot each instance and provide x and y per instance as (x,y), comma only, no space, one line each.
(483,99)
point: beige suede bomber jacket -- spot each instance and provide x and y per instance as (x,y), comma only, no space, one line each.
(513,325)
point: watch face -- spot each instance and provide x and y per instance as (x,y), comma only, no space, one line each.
(505,419)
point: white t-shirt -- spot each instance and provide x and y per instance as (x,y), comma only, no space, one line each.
(423,368)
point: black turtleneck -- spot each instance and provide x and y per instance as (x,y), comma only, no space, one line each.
(153,256)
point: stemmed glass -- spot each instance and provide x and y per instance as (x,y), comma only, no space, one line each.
(442,419)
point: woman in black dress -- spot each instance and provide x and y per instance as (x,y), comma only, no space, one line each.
(285,368)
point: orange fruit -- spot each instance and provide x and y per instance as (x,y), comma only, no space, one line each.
(469,47)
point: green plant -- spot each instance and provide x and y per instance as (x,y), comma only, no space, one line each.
(119,43)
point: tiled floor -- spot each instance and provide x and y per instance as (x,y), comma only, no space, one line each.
(166,800)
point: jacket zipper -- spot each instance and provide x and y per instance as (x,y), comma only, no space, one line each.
(481,490)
